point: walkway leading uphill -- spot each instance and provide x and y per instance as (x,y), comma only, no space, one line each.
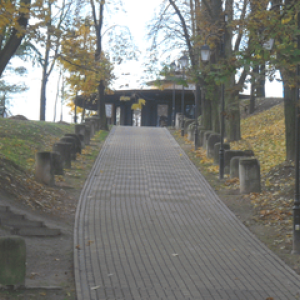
(149,226)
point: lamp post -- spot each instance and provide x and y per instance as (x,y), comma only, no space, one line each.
(173,68)
(197,93)
(205,56)
(183,61)
(296,208)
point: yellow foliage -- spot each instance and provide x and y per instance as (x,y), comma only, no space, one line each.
(78,59)
(286,21)
(138,106)
(265,135)
(124,98)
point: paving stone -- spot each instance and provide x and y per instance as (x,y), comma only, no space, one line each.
(149,226)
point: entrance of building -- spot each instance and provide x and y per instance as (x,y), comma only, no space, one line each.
(162,115)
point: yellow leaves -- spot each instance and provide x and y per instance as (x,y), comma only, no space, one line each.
(233,181)
(265,135)
(286,20)
(138,106)
(124,98)
(135,106)
(257,56)
(142,101)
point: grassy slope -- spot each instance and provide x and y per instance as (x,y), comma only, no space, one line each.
(19,142)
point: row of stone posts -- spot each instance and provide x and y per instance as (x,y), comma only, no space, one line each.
(51,163)
(238,164)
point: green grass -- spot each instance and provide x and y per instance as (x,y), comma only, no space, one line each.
(20,140)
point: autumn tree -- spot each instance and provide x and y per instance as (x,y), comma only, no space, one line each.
(112,44)
(13,24)
(279,23)
(186,25)
(78,60)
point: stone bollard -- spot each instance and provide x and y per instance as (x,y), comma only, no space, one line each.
(71,141)
(231,153)
(200,127)
(206,137)
(80,129)
(228,155)
(177,121)
(217,152)
(87,136)
(92,123)
(201,137)
(77,140)
(235,166)
(191,132)
(187,123)
(44,170)
(97,120)
(65,151)
(210,144)
(58,163)
(81,138)
(12,261)
(249,172)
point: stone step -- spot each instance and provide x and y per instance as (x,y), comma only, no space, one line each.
(20,223)
(36,231)
(10,215)
(4,208)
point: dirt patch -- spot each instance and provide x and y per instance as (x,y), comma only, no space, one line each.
(49,260)
(19,117)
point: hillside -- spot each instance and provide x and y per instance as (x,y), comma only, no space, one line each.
(49,260)
(267,214)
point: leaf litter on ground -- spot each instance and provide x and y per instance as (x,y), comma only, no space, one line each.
(264,133)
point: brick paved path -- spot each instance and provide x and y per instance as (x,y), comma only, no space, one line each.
(149,227)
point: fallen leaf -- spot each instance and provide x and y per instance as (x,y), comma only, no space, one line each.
(96,287)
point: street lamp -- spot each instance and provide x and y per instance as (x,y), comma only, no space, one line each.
(205,56)
(183,61)
(173,68)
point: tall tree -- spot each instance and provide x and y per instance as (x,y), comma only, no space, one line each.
(53,33)
(13,24)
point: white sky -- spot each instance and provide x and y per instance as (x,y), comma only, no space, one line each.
(138,14)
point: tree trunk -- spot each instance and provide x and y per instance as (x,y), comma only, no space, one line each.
(233,120)
(206,112)
(261,91)
(43,97)
(253,92)
(215,110)
(15,39)
(197,101)
(101,106)
(45,75)
(289,113)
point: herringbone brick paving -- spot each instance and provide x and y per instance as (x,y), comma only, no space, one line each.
(148,226)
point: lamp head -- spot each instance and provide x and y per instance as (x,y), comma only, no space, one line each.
(173,66)
(183,61)
(226,18)
(268,45)
(205,53)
